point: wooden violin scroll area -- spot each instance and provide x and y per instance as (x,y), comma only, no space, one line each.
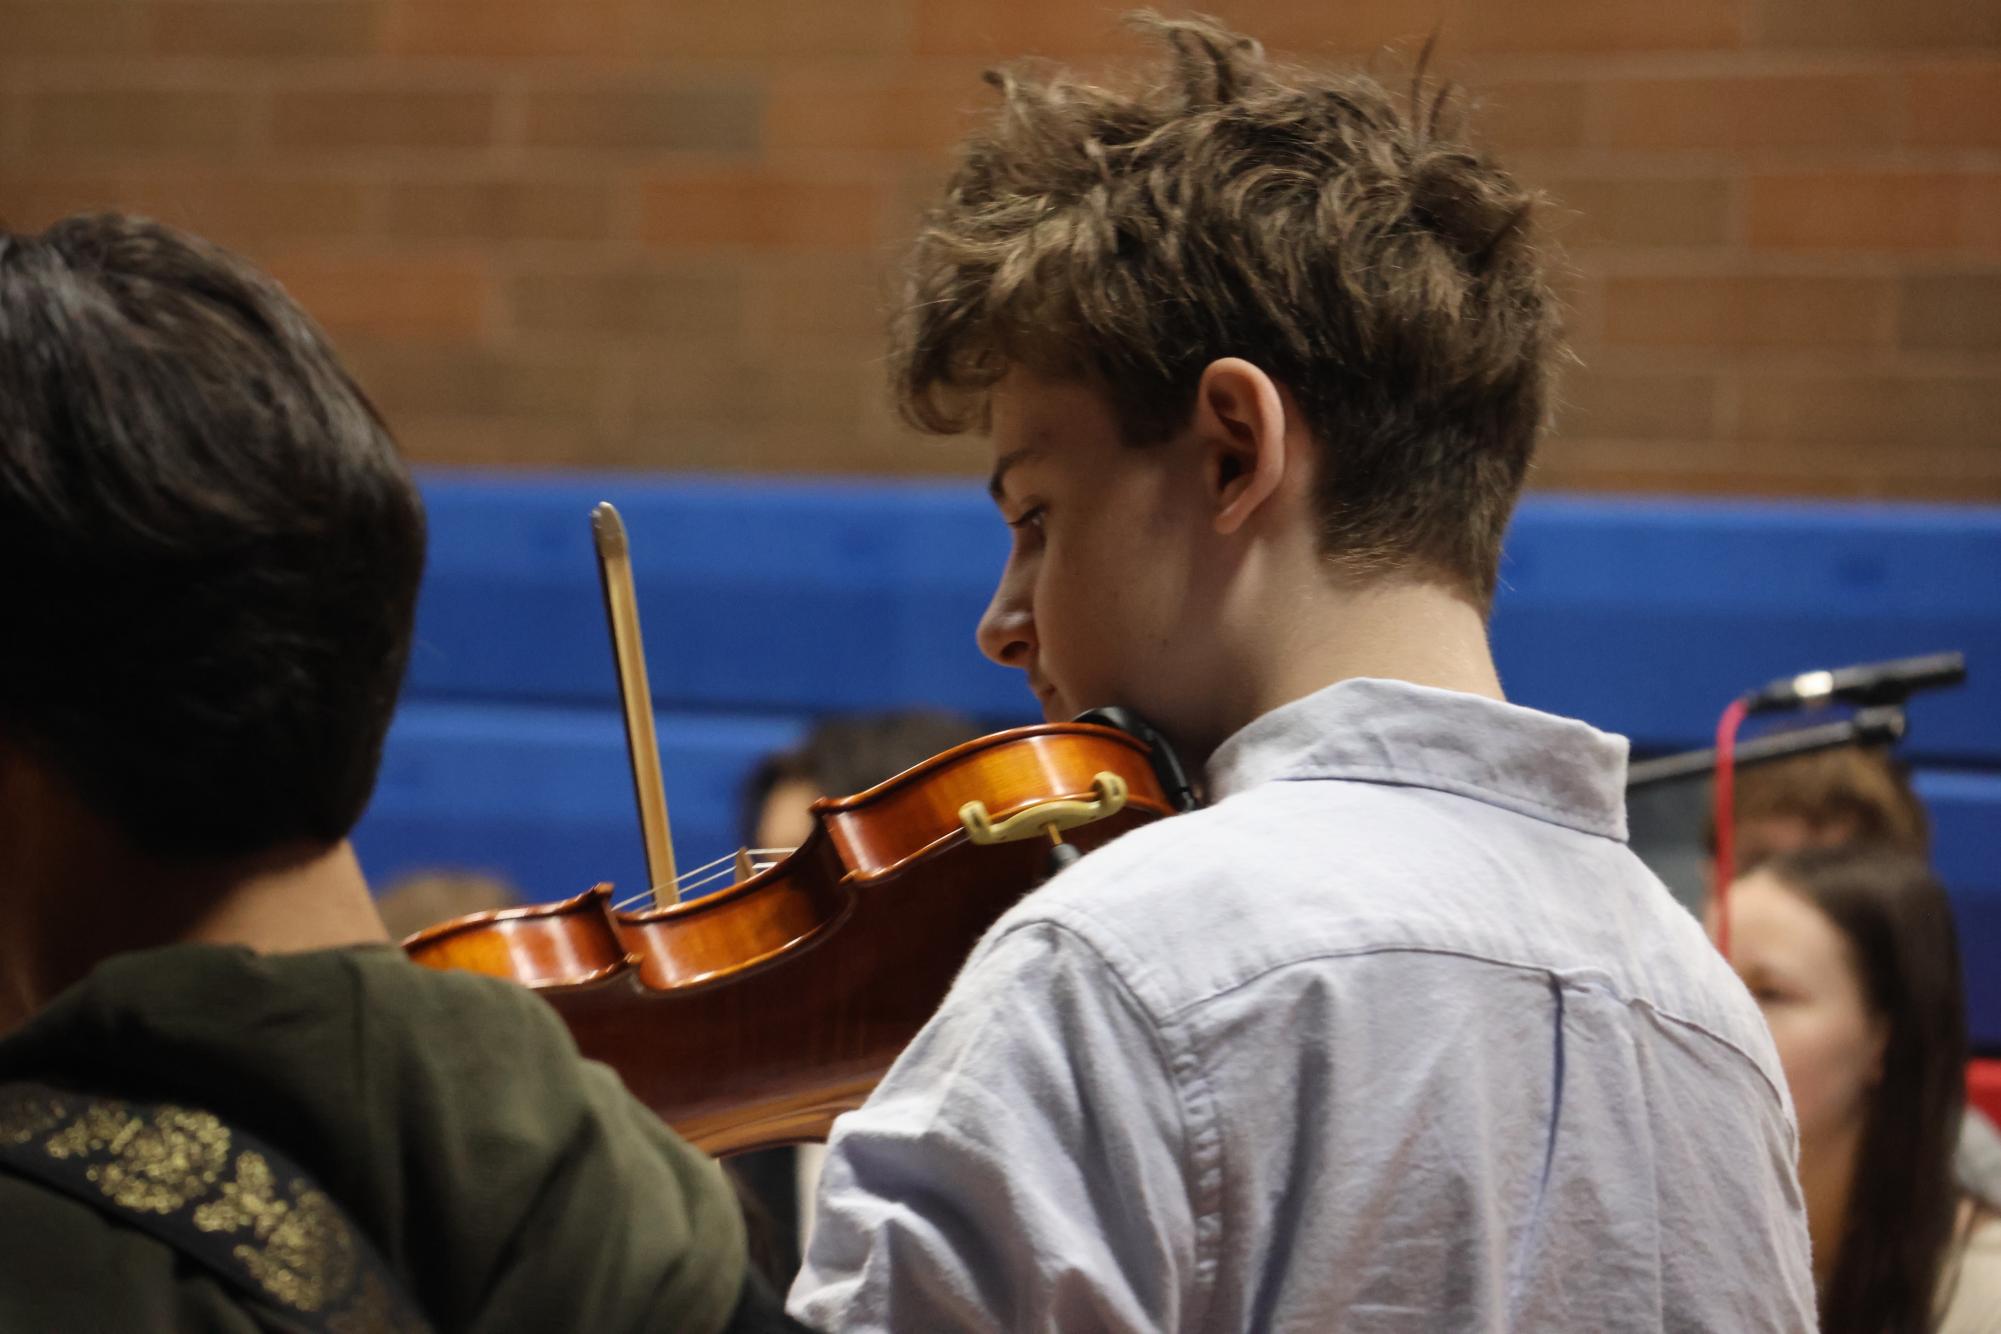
(754,1015)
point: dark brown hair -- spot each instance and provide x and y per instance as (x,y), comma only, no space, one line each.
(849,753)
(1863,796)
(1315,224)
(211,544)
(1902,1205)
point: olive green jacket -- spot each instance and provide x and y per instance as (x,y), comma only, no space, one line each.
(508,1183)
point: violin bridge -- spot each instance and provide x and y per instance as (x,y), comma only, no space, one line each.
(744,869)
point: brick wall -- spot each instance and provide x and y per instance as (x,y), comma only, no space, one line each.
(655,232)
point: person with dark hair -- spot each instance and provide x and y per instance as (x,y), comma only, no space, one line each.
(840,756)
(1857,798)
(1853,958)
(226,1101)
(1395,1031)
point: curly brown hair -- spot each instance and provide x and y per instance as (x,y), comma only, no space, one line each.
(1315,224)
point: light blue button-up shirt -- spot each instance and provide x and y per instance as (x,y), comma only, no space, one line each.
(1396,1034)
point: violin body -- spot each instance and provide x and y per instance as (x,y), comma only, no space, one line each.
(754,1015)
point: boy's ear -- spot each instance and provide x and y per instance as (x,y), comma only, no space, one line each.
(1240,419)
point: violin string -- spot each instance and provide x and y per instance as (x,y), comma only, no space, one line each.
(688,875)
(689,886)
(707,873)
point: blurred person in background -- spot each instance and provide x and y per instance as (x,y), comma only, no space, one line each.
(424,898)
(839,757)
(1852,956)
(1846,796)
(227,1101)
(1850,797)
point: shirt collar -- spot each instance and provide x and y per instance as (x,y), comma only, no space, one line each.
(1556,769)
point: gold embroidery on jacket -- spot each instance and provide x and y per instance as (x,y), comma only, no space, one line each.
(167,1159)
(302,1254)
(155,1161)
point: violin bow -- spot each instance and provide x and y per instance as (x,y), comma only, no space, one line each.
(621,606)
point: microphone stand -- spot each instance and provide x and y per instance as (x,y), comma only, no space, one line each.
(1880,726)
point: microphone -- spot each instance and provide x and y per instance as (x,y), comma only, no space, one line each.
(1868,685)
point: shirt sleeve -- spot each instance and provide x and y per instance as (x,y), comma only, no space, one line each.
(1023,1166)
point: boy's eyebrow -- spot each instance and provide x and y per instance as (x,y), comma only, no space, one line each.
(996,484)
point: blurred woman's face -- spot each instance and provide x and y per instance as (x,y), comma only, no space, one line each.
(1798,966)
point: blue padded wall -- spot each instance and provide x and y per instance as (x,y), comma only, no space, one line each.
(769,602)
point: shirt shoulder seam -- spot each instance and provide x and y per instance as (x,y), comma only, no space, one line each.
(1194,1101)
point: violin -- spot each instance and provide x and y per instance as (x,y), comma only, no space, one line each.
(753,1015)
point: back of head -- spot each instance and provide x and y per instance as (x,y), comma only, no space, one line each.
(212,544)
(1847,796)
(1316,225)
(1897,922)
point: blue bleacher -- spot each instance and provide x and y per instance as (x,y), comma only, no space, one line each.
(768,602)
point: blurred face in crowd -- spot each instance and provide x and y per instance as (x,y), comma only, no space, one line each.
(786,818)
(1799,968)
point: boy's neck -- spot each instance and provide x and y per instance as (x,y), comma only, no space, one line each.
(75,894)
(1401,630)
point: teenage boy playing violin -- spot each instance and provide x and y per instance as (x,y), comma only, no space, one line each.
(1396,1032)
(227,1102)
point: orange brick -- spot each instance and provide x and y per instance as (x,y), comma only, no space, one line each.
(720,118)
(1746,311)
(750,30)
(921,112)
(1902,413)
(137,121)
(701,411)
(263,30)
(1980,215)
(817,298)
(34,31)
(1596,25)
(1844,111)
(555,209)
(368,117)
(31,200)
(1528,115)
(1774,468)
(1642,211)
(1627,405)
(248,210)
(1006,29)
(1872,24)
(1956,106)
(13,122)
(759,210)
(388,295)
(1094,29)
(1872,211)
(1951,313)
(598,30)
(702,304)
(451,379)
(1314,29)
(488,442)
